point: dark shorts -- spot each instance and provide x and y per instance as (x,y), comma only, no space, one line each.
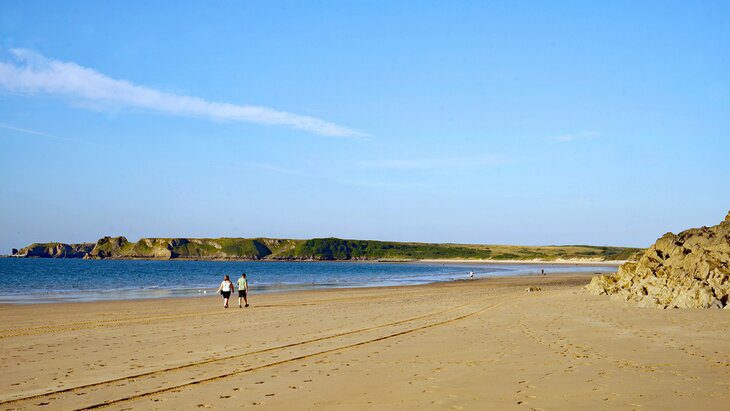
(226,294)
(241,293)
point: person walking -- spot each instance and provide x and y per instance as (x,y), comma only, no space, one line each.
(225,289)
(242,290)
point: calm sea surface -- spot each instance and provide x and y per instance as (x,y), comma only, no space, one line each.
(53,280)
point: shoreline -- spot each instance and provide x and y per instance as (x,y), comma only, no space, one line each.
(189,293)
(553,276)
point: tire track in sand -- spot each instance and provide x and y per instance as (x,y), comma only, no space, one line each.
(155,373)
(221,376)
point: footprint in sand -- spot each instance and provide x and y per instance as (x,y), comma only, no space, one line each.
(204,405)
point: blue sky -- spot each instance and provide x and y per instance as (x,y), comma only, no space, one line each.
(477,122)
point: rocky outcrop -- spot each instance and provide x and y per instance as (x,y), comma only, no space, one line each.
(686,270)
(179,248)
(158,249)
(109,247)
(54,250)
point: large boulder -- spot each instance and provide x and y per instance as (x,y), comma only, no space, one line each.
(686,270)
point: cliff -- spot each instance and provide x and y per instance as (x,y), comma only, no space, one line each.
(189,248)
(686,270)
(313,249)
(55,250)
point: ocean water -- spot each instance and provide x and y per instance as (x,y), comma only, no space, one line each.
(55,280)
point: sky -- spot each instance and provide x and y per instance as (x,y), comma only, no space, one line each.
(529,123)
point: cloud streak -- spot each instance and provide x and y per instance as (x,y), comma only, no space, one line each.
(30,73)
(41,134)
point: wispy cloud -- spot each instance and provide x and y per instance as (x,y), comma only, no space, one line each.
(25,130)
(566,138)
(46,135)
(30,73)
(435,163)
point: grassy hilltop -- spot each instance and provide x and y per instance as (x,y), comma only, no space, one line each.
(314,249)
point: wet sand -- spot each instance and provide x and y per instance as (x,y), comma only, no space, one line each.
(483,344)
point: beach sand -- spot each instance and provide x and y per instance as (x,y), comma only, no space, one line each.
(483,344)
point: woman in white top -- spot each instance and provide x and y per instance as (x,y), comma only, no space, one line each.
(225,289)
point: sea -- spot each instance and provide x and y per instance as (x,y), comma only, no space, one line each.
(29,281)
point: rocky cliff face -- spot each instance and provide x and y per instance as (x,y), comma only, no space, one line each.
(54,250)
(108,247)
(161,249)
(687,270)
(171,248)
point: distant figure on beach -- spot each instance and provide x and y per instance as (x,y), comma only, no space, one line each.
(471,274)
(242,290)
(225,289)
(542,271)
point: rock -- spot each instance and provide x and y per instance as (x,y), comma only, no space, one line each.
(686,270)
(532,288)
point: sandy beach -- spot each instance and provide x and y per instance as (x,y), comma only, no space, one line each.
(483,344)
